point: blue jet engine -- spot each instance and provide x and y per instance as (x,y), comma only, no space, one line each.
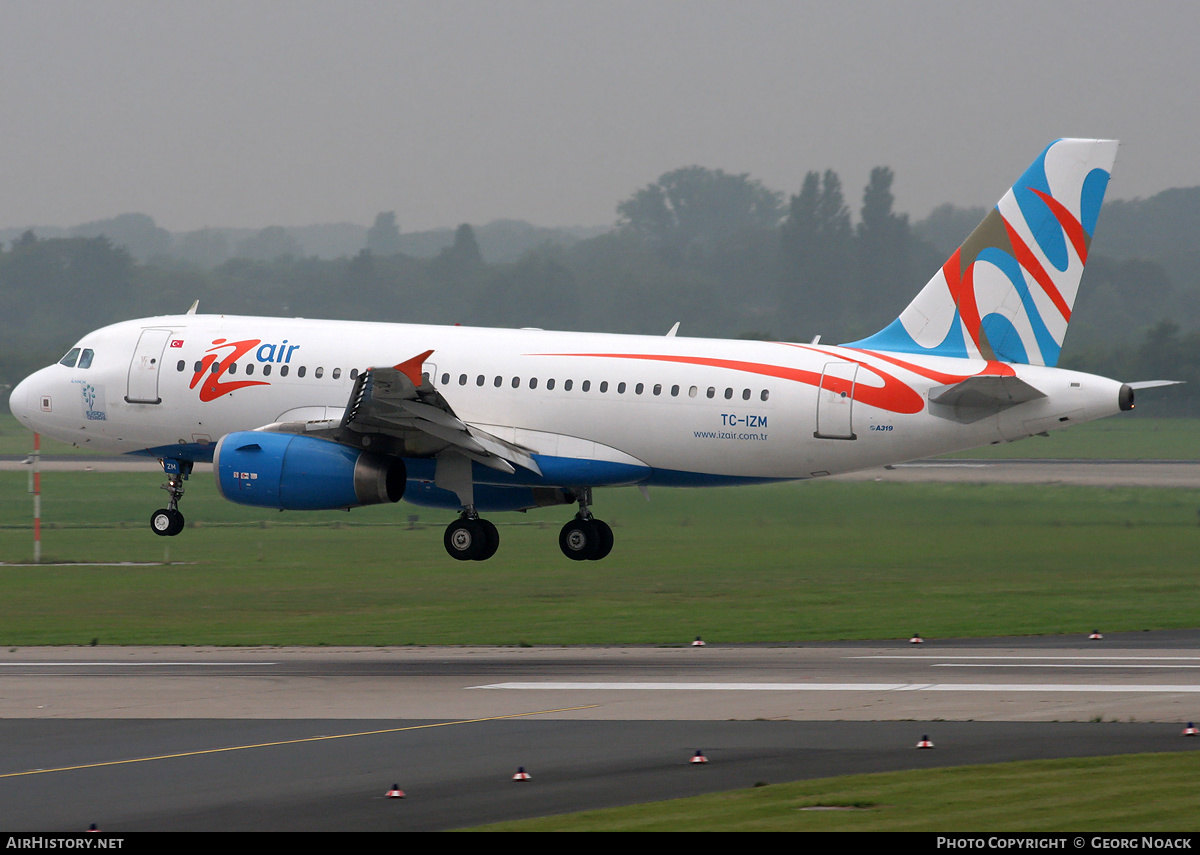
(303,473)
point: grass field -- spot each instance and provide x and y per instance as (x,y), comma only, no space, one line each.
(817,560)
(1145,792)
(1116,438)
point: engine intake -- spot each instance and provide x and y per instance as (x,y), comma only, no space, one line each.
(303,473)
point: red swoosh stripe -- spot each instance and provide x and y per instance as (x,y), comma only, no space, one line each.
(894,396)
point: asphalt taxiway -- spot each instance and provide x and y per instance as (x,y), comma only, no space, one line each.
(311,739)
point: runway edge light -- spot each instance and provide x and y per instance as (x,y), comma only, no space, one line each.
(925,742)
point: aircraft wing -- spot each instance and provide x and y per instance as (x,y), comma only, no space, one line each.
(401,403)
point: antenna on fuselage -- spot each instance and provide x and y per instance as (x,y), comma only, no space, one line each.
(195,306)
(671,332)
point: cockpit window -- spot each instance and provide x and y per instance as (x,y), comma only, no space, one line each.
(70,358)
(85,360)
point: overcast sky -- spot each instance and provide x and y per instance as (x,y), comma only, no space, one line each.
(289,113)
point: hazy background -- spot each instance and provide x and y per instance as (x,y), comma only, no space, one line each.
(249,114)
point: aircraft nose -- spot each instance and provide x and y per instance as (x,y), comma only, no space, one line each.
(18,402)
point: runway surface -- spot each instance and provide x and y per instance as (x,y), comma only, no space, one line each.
(290,739)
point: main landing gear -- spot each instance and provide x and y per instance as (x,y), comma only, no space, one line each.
(168,521)
(471,538)
(585,538)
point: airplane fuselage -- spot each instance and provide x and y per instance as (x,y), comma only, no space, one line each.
(670,410)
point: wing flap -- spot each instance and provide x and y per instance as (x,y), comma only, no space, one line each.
(387,401)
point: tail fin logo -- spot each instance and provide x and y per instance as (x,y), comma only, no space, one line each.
(1008,292)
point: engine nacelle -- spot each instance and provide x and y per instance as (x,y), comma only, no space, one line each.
(303,473)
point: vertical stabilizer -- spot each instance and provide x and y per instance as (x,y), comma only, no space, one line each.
(1007,293)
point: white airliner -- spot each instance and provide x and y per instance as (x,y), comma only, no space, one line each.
(309,414)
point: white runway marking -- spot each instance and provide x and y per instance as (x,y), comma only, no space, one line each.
(834,687)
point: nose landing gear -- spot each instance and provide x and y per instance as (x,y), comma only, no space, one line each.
(168,521)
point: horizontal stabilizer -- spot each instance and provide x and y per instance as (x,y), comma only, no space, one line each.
(1153,384)
(991,392)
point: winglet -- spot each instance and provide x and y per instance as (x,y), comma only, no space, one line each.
(411,368)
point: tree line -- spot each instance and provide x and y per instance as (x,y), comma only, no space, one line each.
(719,252)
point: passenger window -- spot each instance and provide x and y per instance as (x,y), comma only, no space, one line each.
(765,394)
(299,371)
(621,388)
(550,384)
(516,382)
(480,380)
(267,370)
(674,391)
(712,392)
(658,388)
(745,394)
(319,373)
(445,377)
(586,385)
(692,392)
(181,365)
(337,373)
(728,394)
(250,369)
(283,370)
(567,384)
(354,375)
(603,385)
(200,366)
(216,368)
(639,388)
(71,357)
(85,359)
(462,379)
(233,368)
(532,382)
(497,381)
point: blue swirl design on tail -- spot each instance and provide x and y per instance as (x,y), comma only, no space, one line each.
(1007,293)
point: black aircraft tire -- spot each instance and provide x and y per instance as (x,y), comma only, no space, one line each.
(604,540)
(578,539)
(166,523)
(465,539)
(491,542)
